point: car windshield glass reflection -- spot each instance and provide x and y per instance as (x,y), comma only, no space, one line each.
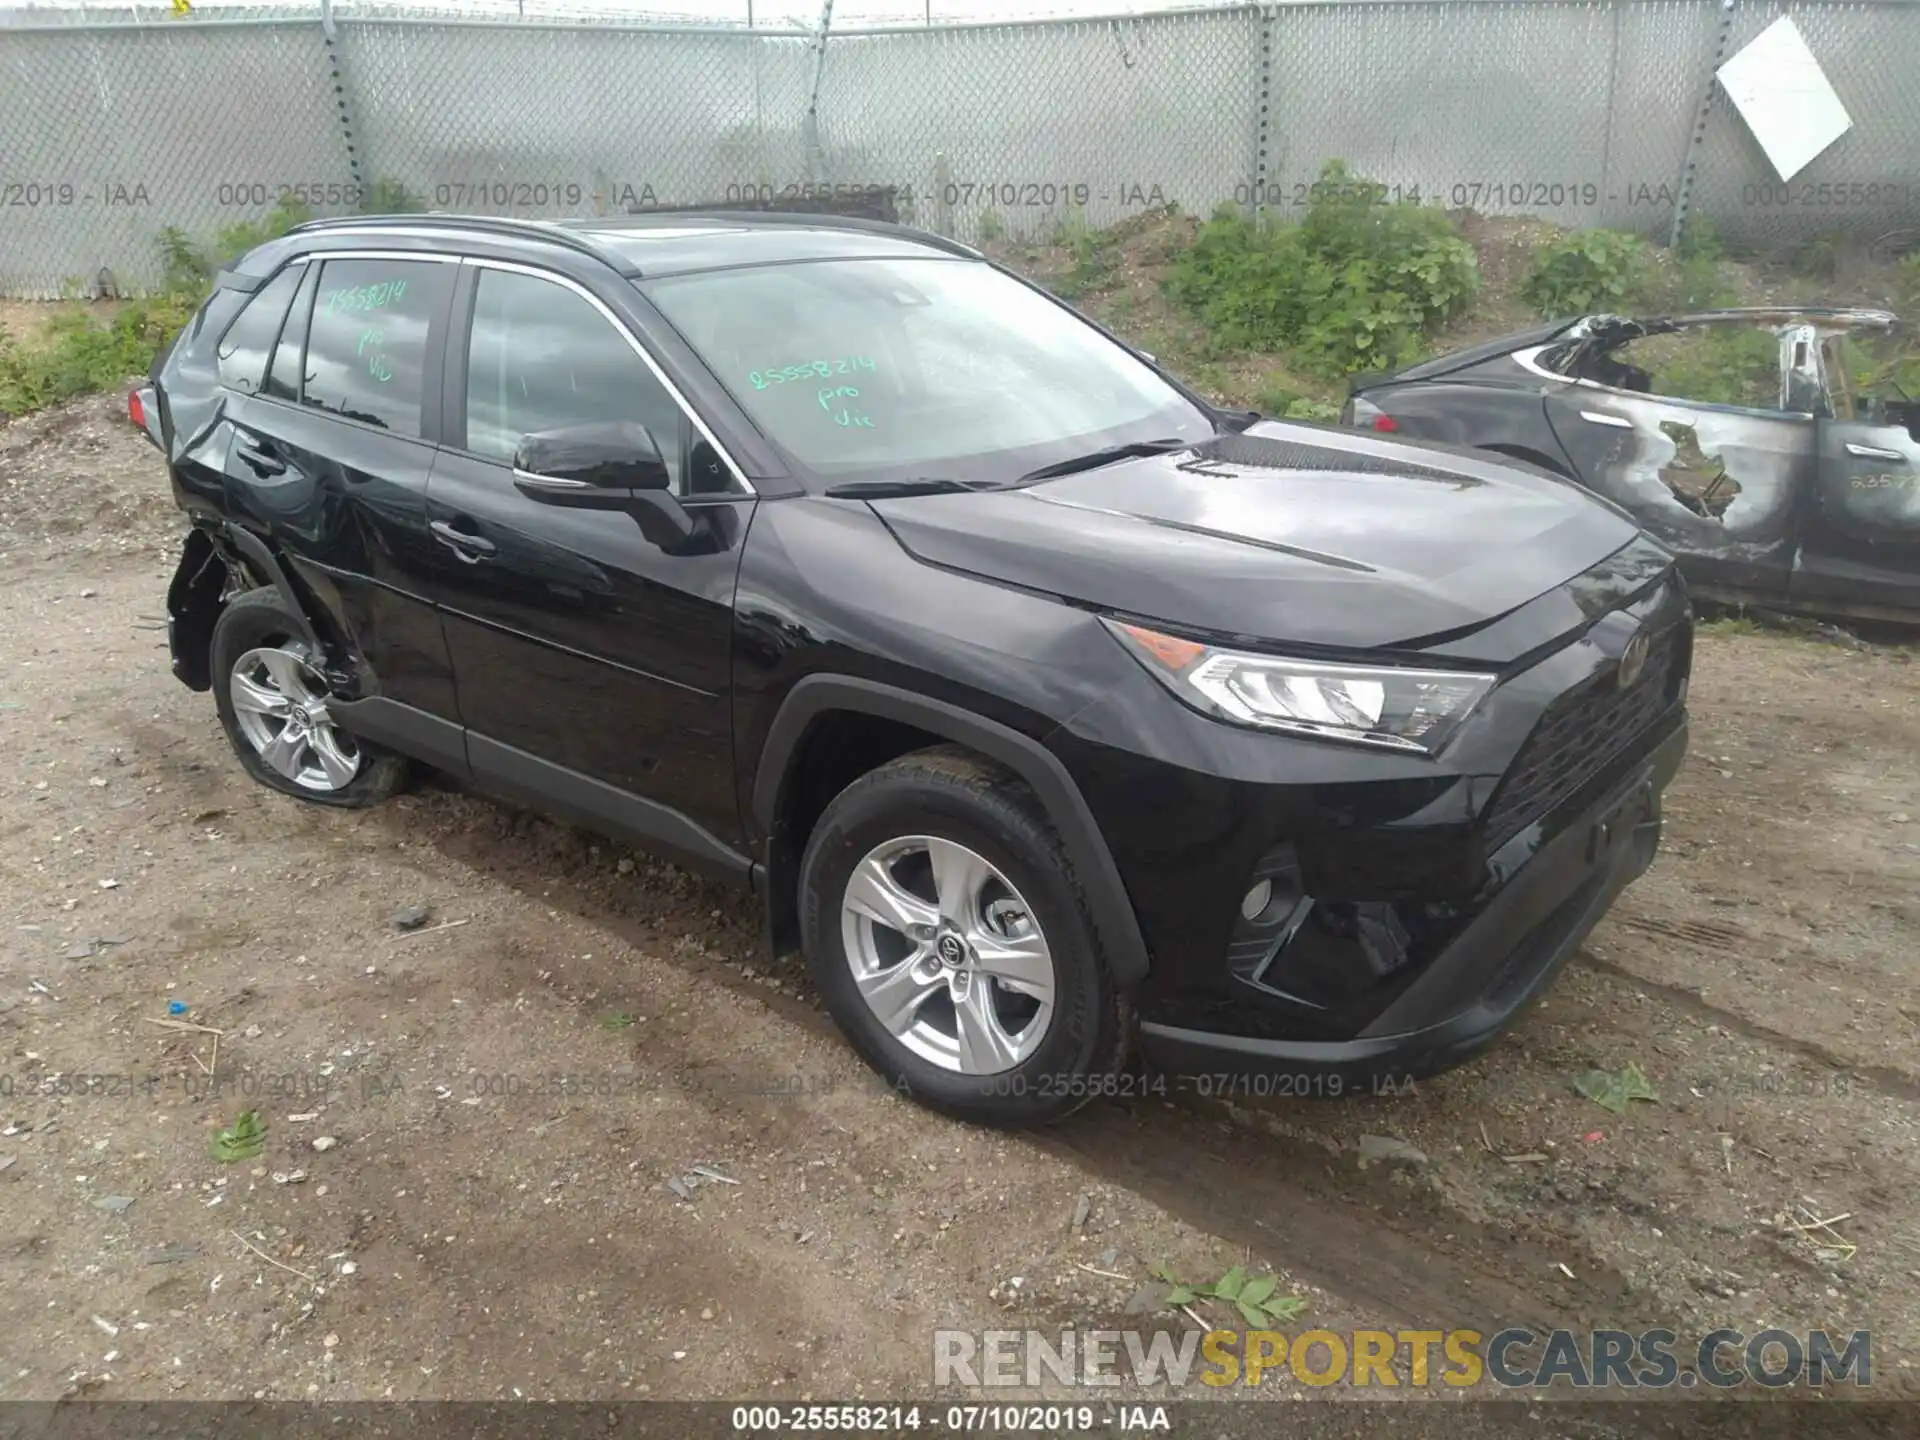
(926,367)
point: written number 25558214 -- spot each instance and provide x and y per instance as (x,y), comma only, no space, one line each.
(761,379)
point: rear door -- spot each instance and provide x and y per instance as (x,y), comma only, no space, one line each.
(1708,456)
(331,451)
(593,666)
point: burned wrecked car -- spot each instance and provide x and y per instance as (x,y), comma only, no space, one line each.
(1775,451)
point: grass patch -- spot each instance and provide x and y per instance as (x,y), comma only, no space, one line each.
(1736,622)
(1095,255)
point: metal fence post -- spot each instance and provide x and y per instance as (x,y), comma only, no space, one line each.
(331,40)
(1683,193)
(811,129)
(1263,113)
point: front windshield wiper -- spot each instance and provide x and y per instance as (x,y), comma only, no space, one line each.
(888,489)
(1094,459)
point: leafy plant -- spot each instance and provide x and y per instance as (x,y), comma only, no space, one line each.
(1734,365)
(80,352)
(1254,1298)
(1613,1089)
(1700,240)
(1817,259)
(242,1140)
(991,227)
(1910,285)
(1095,254)
(1583,271)
(387,196)
(1290,404)
(1356,284)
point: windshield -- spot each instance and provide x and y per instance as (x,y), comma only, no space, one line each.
(936,368)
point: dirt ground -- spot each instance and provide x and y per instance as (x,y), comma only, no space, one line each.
(505,1093)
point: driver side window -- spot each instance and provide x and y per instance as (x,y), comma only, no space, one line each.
(541,357)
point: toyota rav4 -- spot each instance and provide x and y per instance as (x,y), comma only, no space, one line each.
(1057,715)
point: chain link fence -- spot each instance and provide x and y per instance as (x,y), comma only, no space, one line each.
(115,124)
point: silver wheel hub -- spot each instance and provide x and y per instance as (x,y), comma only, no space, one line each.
(947,955)
(280,705)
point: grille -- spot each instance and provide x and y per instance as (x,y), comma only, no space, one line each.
(1581,737)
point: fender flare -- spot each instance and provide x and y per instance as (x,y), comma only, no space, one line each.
(1067,809)
(255,552)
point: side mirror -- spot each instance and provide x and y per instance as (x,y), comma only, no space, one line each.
(598,466)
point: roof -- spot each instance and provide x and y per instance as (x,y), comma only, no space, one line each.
(678,242)
(685,241)
(1832,318)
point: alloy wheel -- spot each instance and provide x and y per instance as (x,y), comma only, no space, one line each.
(280,704)
(948,955)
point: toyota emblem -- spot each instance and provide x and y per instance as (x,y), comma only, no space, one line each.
(1633,659)
(952,950)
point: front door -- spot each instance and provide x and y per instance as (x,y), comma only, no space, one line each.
(593,667)
(1861,542)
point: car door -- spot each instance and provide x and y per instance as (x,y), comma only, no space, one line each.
(332,442)
(1721,483)
(1861,537)
(592,661)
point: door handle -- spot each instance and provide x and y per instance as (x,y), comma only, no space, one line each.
(1594,417)
(461,542)
(260,460)
(1874,452)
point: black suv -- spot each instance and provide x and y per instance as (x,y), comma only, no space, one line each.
(1049,708)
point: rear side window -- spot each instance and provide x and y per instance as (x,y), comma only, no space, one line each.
(250,338)
(283,378)
(367,340)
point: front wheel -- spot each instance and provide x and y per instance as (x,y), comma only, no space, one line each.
(950,940)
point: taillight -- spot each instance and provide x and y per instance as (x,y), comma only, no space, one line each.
(1370,416)
(136,412)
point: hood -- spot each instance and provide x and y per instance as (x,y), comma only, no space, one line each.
(1321,537)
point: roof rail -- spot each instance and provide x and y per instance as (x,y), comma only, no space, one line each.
(488,224)
(802,217)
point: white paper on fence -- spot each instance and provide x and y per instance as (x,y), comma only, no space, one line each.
(1785,97)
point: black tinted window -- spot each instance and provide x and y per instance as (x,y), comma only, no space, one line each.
(283,379)
(543,358)
(367,341)
(249,340)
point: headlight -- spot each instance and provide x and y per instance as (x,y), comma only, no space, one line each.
(1382,705)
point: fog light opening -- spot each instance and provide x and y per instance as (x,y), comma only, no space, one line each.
(1256,900)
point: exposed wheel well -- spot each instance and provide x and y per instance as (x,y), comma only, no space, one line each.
(194,602)
(838,748)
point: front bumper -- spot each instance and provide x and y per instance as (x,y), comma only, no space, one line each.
(1484,978)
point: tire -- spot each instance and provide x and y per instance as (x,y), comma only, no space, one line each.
(951,804)
(318,761)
